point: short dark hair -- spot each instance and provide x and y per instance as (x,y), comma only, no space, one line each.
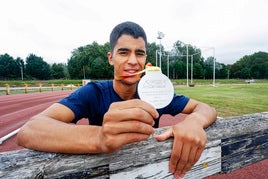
(127,28)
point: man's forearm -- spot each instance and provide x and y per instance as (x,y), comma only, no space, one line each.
(205,114)
(55,136)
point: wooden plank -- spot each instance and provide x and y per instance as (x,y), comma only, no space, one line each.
(208,164)
(232,143)
(244,150)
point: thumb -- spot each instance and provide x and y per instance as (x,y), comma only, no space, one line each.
(165,135)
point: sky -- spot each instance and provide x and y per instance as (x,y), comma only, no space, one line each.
(52,29)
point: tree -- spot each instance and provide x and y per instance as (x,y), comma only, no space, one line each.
(198,71)
(222,71)
(177,69)
(9,68)
(180,52)
(251,66)
(151,53)
(37,68)
(84,60)
(57,71)
(208,68)
(245,73)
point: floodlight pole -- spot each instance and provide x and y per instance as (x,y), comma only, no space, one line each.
(187,54)
(21,72)
(21,69)
(214,66)
(192,69)
(156,53)
(160,36)
(160,55)
(168,65)
(84,72)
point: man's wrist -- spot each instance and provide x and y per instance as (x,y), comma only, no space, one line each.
(198,119)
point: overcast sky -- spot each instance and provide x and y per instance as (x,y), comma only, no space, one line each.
(52,29)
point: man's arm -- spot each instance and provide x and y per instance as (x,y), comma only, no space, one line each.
(189,137)
(125,122)
(52,131)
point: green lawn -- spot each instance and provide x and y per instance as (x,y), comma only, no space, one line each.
(230,99)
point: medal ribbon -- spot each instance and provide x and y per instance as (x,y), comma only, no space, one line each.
(148,67)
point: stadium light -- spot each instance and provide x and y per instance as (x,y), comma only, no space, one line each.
(160,36)
(156,54)
(214,66)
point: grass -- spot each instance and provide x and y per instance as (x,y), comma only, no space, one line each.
(231,99)
(19,83)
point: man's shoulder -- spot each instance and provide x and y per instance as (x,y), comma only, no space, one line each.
(97,87)
(103,84)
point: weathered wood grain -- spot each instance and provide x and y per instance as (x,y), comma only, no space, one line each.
(232,143)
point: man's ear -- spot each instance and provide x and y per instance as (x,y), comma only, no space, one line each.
(110,58)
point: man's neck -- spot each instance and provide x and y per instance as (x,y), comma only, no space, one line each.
(124,90)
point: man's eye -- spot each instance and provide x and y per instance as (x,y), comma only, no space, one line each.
(140,54)
(123,53)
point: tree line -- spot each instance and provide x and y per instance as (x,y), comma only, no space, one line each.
(90,62)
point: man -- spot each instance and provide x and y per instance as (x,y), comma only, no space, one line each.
(117,116)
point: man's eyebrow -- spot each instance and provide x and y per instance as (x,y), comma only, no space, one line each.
(123,49)
(140,51)
(126,49)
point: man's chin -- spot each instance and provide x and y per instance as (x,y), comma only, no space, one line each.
(131,81)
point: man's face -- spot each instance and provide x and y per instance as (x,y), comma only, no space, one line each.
(128,57)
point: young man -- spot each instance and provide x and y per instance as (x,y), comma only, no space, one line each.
(117,116)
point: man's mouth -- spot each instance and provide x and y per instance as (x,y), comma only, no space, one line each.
(130,73)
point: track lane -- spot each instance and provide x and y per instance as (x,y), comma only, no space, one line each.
(15,110)
(14,120)
(9,103)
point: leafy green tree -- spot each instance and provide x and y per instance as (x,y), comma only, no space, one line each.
(177,69)
(57,71)
(245,73)
(91,61)
(221,71)
(37,68)
(84,61)
(259,65)
(208,68)
(251,66)
(75,68)
(180,50)
(151,53)
(9,68)
(198,71)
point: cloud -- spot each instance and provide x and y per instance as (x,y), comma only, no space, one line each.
(52,29)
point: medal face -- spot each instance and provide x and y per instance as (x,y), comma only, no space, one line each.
(156,89)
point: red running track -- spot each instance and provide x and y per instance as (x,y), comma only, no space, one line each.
(15,110)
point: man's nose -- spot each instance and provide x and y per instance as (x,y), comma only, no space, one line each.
(132,59)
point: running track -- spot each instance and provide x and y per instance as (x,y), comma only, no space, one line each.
(15,110)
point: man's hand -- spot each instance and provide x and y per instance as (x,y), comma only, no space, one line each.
(189,142)
(126,122)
